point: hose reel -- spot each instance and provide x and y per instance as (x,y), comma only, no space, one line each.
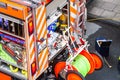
(85,63)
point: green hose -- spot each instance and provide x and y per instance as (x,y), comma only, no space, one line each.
(82,64)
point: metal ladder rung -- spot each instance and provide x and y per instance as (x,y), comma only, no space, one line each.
(80,23)
(80,5)
(70,59)
(80,14)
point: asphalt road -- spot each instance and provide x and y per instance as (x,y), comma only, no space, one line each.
(98,29)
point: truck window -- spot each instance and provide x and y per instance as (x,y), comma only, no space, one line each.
(5,24)
(16,28)
(20,30)
(11,27)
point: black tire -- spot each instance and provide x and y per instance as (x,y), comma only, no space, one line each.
(74,72)
(100,57)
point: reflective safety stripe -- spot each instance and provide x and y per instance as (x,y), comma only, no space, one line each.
(43,61)
(42,33)
(77,13)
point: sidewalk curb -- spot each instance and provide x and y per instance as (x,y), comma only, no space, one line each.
(111,22)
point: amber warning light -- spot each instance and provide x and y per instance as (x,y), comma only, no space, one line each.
(30,26)
(33,68)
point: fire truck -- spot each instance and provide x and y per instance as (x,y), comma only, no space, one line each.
(44,39)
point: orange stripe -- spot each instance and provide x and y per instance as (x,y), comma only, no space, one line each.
(40,68)
(71,29)
(31,42)
(40,55)
(73,10)
(38,12)
(41,29)
(72,1)
(40,20)
(45,56)
(43,62)
(38,73)
(72,19)
(32,53)
(45,34)
(46,65)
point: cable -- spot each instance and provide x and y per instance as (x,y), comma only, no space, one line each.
(95,19)
(81,63)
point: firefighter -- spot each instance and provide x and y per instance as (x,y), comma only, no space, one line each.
(62,23)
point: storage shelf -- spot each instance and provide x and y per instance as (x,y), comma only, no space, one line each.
(5,68)
(12,64)
(54,52)
(52,10)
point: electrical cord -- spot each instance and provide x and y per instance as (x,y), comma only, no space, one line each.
(95,19)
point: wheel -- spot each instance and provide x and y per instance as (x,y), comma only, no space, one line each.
(58,67)
(74,75)
(90,59)
(98,60)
